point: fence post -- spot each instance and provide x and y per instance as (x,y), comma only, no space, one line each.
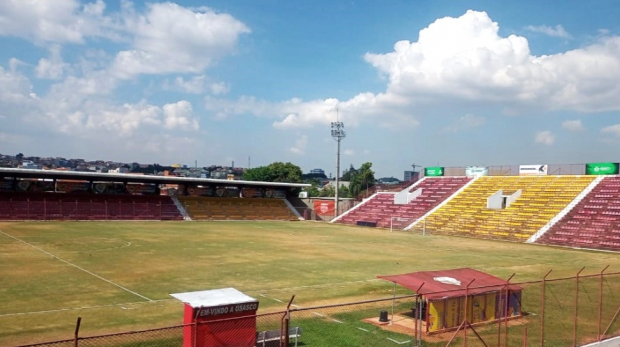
(417,317)
(77,330)
(287,322)
(576,307)
(465,318)
(542,310)
(506,309)
(600,304)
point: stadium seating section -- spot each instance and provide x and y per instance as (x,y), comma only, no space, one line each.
(593,223)
(59,206)
(203,208)
(381,208)
(542,198)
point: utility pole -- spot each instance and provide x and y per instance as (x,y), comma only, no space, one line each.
(338,134)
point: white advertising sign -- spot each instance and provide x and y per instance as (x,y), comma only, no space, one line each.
(533,170)
(475,171)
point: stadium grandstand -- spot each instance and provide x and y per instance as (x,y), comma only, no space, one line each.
(565,210)
(580,211)
(69,195)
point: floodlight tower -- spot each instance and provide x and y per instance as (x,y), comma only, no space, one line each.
(338,134)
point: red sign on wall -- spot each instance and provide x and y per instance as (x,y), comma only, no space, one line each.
(324,207)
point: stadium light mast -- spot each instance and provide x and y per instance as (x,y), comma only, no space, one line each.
(338,134)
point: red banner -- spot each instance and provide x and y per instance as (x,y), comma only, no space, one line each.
(324,207)
(144,189)
(251,192)
(72,186)
(199,191)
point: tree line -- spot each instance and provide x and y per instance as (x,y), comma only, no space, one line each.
(359,179)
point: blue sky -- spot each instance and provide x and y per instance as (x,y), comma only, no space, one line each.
(448,83)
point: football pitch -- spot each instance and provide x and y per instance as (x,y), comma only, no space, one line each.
(118,276)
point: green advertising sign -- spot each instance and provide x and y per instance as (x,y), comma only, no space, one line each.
(602,169)
(433,171)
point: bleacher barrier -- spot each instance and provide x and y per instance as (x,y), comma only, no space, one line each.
(568,311)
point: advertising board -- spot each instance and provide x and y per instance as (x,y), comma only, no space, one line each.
(602,169)
(533,170)
(476,171)
(433,171)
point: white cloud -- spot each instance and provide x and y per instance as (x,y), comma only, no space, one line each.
(179,115)
(612,130)
(52,68)
(300,145)
(218,88)
(545,137)
(14,87)
(348,152)
(465,58)
(197,85)
(464,123)
(98,118)
(460,60)
(385,110)
(58,21)
(170,38)
(573,125)
(75,106)
(557,31)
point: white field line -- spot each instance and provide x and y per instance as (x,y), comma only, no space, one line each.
(77,267)
(83,308)
(318,314)
(337,321)
(363,329)
(400,343)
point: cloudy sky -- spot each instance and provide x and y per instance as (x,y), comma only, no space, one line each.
(425,82)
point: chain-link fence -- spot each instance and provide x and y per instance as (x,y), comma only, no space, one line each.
(570,311)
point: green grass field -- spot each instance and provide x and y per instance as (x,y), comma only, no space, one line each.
(118,276)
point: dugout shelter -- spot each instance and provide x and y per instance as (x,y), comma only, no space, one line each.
(444,294)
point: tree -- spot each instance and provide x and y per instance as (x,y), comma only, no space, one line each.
(274,172)
(285,172)
(349,174)
(362,180)
(261,173)
(343,191)
(327,191)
